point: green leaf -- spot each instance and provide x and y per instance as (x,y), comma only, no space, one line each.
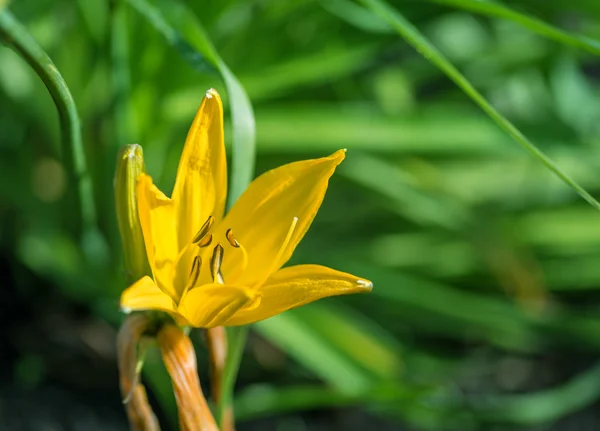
(545,406)
(339,345)
(412,36)
(493,9)
(263,400)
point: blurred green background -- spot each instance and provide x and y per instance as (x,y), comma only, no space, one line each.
(486,309)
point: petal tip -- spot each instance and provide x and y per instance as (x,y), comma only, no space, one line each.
(338,156)
(132,151)
(365,285)
(212,93)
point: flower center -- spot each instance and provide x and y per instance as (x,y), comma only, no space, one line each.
(204,239)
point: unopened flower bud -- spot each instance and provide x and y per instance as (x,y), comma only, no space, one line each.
(130,164)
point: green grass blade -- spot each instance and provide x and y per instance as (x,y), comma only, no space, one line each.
(292,334)
(184,31)
(354,14)
(412,35)
(538,26)
(549,405)
(121,80)
(15,35)
(263,400)
(236,341)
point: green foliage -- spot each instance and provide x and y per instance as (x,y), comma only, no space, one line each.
(485,310)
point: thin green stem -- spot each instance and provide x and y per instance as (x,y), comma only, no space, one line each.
(412,35)
(15,35)
(236,340)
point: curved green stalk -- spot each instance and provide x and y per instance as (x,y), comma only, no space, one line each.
(412,35)
(15,35)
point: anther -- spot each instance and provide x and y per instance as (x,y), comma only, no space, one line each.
(231,238)
(204,229)
(215,264)
(194,273)
(205,242)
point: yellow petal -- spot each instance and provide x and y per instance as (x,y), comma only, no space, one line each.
(298,285)
(261,218)
(212,304)
(144,294)
(157,217)
(201,184)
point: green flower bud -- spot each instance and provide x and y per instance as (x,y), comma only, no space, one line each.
(130,164)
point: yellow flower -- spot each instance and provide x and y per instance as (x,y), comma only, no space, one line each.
(211,269)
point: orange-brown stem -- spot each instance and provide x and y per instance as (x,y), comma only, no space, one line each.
(140,414)
(180,360)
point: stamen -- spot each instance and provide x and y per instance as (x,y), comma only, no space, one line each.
(215,264)
(204,229)
(205,242)
(194,273)
(236,244)
(282,249)
(231,238)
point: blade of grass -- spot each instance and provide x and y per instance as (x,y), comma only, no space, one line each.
(354,14)
(413,37)
(15,35)
(294,335)
(264,400)
(548,405)
(497,10)
(121,75)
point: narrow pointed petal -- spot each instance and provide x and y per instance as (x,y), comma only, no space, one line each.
(144,294)
(298,285)
(201,184)
(262,217)
(157,217)
(211,305)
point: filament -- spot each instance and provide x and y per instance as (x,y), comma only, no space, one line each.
(236,244)
(280,252)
